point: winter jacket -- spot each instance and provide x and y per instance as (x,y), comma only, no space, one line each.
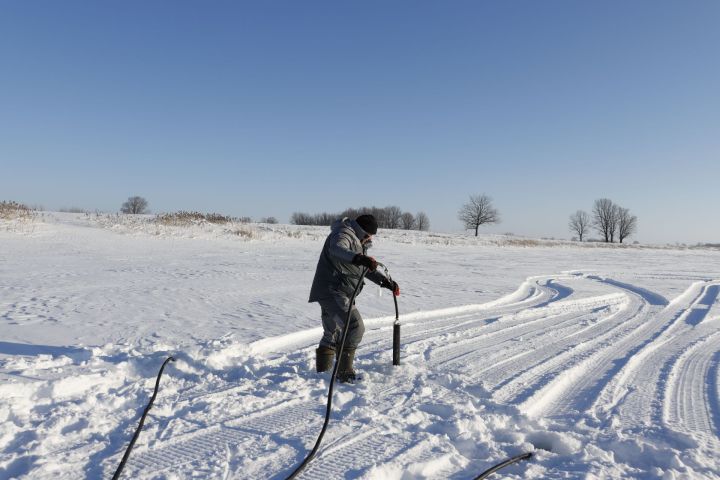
(335,274)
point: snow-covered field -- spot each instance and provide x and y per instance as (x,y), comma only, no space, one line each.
(603,361)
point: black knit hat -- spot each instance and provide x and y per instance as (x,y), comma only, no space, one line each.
(368,223)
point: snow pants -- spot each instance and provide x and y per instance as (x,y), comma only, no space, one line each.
(334,312)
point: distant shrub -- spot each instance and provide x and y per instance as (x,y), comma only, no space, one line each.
(270,220)
(189,218)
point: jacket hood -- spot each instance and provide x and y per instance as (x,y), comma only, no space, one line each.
(350,224)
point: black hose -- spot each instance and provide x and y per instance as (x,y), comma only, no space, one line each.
(332,383)
(142,421)
(504,464)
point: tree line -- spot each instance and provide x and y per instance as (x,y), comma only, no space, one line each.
(391,217)
(609,219)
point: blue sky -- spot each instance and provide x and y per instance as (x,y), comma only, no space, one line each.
(266,108)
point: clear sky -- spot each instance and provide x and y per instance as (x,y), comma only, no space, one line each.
(267,108)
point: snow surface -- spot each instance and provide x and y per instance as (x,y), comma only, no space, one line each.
(603,361)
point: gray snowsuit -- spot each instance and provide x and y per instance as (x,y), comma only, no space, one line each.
(335,280)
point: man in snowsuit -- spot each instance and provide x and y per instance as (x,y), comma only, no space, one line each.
(342,260)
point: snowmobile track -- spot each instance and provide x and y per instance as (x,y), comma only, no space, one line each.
(682,411)
(636,394)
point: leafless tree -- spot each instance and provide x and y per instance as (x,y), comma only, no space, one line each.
(135,205)
(380,214)
(394,216)
(407,221)
(422,221)
(580,223)
(271,220)
(478,211)
(605,218)
(627,224)
(300,218)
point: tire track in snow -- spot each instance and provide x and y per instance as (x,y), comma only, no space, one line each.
(682,384)
(691,399)
(360,448)
(635,396)
(355,451)
(250,432)
(517,335)
(204,447)
(295,423)
(514,380)
(570,383)
(563,378)
(713,391)
(459,321)
(458,341)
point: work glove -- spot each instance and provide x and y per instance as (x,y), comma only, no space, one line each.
(391,285)
(364,261)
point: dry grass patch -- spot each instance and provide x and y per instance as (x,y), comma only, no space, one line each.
(16,211)
(245,232)
(184,218)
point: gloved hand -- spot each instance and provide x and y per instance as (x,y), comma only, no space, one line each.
(391,285)
(365,261)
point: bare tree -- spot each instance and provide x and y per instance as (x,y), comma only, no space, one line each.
(478,211)
(135,205)
(579,223)
(300,218)
(407,220)
(394,216)
(380,214)
(605,218)
(422,222)
(627,224)
(271,220)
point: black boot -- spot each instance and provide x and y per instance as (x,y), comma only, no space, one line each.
(324,357)
(346,374)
